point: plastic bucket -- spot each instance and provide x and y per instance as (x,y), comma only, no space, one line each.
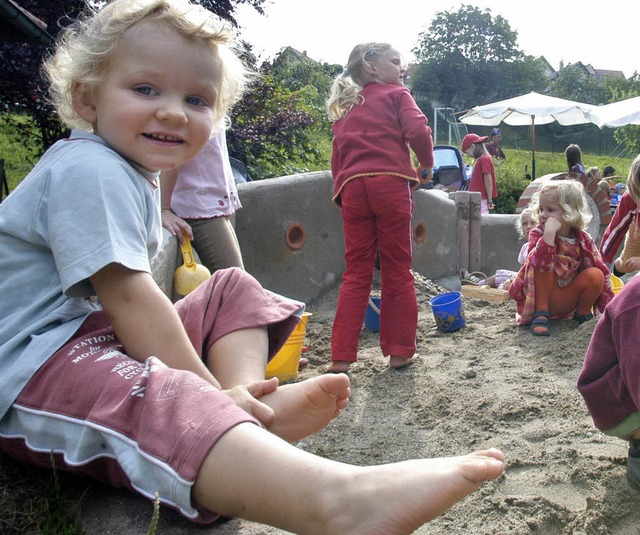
(285,364)
(372,315)
(616,284)
(447,310)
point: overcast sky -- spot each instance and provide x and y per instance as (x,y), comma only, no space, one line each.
(602,34)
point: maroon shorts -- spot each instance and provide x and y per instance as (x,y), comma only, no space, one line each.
(142,426)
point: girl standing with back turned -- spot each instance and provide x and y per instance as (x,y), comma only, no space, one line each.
(376,120)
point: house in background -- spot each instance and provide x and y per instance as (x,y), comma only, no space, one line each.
(599,74)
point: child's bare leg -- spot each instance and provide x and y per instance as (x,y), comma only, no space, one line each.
(252,474)
(240,357)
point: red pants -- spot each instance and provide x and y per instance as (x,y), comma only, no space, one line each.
(377,214)
(579,295)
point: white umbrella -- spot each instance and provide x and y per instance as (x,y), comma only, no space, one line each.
(530,109)
(617,114)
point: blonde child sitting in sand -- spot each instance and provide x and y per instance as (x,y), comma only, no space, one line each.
(564,275)
(100,368)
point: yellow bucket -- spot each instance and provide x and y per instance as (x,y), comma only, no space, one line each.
(616,284)
(284,365)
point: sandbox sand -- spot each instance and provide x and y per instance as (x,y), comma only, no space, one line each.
(489,384)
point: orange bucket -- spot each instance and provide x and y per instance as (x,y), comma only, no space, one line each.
(284,365)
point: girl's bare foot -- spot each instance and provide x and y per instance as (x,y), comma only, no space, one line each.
(301,409)
(398,498)
(400,362)
(339,366)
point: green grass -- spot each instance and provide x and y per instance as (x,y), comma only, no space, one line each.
(18,158)
(510,173)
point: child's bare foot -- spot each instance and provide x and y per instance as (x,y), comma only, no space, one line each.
(400,362)
(398,498)
(304,408)
(339,366)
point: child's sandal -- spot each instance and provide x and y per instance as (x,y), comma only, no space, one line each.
(540,323)
(477,278)
(581,318)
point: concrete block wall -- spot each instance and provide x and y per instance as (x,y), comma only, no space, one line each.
(290,234)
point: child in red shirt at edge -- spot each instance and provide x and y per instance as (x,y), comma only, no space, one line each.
(483,177)
(564,275)
(376,120)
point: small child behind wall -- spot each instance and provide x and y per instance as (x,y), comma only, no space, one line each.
(503,278)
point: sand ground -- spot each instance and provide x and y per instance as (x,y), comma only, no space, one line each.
(489,384)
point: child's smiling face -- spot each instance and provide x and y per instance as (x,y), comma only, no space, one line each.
(155,106)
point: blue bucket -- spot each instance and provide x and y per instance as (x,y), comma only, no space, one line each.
(447,310)
(372,315)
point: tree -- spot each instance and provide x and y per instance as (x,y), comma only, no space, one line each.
(471,33)
(467,58)
(573,82)
(621,89)
(278,127)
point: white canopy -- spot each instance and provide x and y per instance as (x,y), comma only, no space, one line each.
(617,114)
(529,110)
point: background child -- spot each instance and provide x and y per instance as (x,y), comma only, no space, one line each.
(564,275)
(129,388)
(610,374)
(376,120)
(493,146)
(574,159)
(200,198)
(504,277)
(483,176)
(625,225)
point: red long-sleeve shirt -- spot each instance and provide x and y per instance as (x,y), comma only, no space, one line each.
(375,135)
(617,228)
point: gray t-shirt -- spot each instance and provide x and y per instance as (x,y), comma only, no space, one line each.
(81,208)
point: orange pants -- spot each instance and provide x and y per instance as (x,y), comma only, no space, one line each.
(579,295)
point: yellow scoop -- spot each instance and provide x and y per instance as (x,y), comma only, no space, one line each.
(190,274)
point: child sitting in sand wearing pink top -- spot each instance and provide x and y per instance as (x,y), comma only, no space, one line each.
(564,275)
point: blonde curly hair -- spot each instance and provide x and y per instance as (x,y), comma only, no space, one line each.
(84,49)
(345,91)
(570,195)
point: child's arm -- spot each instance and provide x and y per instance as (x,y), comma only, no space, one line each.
(174,224)
(488,187)
(145,320)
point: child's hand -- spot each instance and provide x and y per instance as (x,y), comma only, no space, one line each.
(247,398)
(629,265)
(551,227)
(176,225)
(425,174)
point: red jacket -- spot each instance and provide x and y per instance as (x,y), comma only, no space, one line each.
(617,228)
(375,135)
